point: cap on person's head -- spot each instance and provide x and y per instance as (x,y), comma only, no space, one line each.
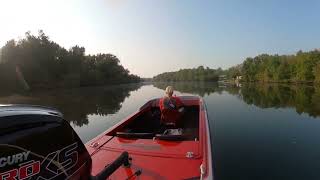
(169,90)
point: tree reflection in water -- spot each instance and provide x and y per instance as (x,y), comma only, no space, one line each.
(198,88)
(304,98)
(77,104)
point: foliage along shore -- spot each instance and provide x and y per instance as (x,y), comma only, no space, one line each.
(302,67)
(191,75)
(36,62)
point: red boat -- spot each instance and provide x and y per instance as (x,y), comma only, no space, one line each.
(182,152)
(37,143)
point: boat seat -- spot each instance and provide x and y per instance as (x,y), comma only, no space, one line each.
(175,135)
(134,135)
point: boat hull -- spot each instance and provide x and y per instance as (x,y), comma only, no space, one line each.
(154,158)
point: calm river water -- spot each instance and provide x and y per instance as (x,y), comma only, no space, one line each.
(258,131)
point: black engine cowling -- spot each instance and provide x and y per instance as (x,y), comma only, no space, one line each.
(37,143)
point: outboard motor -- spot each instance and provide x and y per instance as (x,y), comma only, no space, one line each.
(37,143)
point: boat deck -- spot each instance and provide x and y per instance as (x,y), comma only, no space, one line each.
(154,157)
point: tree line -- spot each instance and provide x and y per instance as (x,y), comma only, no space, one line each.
(195,74)
(38,62)
(301,67)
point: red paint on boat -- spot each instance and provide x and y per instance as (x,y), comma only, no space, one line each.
(156,158)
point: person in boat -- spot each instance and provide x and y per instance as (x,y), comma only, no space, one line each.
(171,108)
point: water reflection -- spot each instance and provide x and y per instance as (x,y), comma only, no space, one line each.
(199,88)
(303,98)
(77,104)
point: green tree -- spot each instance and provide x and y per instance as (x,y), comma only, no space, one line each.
(196,74)
(45,64)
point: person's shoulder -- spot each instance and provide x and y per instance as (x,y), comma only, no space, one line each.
(177,98)
(162,99)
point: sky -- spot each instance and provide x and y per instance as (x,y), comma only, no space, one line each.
(150,37)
